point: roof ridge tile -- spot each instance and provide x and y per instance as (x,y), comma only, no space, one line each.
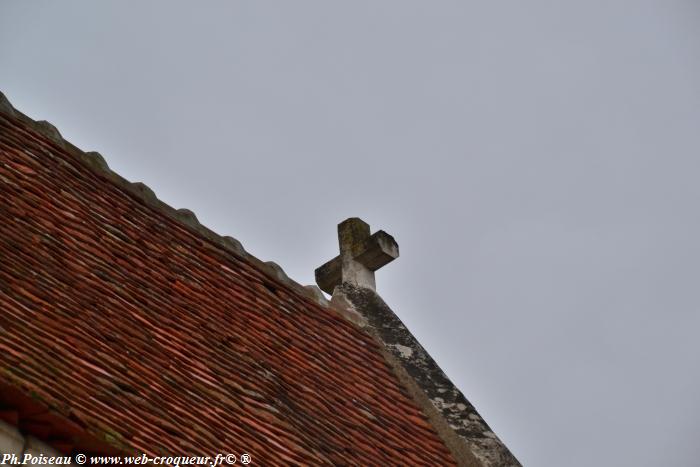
(95,161)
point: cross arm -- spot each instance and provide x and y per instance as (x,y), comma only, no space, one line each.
(380,248)
(329,275)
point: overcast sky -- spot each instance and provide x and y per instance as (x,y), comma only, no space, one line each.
(536,161)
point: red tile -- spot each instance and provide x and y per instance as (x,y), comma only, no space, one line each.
(118,316)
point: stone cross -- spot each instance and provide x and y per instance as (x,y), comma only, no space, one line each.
(360,255)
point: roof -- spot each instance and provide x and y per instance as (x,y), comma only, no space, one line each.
(142,330)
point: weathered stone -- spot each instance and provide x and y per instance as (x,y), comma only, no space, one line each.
(330,275)
(277,271)
(145,192)
(234,245)
(95,160)
(456,420)
(188,217)
(317,295)
(361,254)
(379,249)
(50,131)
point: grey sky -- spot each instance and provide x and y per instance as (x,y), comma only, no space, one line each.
(536,161)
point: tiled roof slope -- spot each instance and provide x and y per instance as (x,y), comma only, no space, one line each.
(157,340)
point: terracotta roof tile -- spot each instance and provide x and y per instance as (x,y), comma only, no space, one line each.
(122,318)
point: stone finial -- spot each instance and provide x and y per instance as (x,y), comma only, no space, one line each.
(360,255)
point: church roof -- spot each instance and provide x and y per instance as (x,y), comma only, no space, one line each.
(156,339)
